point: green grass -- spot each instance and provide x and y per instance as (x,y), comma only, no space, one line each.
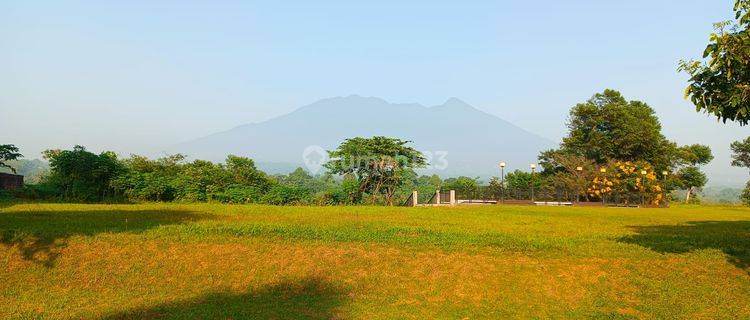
(201,261)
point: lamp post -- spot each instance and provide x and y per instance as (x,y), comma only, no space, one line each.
(643,187)
(578,185)
(665,173)
(502,182)
(533,167)
(603,171)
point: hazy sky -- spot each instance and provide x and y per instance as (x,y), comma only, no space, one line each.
(136,75)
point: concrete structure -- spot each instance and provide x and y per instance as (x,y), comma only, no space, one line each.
(414,198)
(10,181)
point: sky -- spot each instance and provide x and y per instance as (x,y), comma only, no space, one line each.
(135,76)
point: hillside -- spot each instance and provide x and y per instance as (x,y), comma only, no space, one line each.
(471,140)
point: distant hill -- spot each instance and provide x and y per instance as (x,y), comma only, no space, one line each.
(32,170)
(473,141)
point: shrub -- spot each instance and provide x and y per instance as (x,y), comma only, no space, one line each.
(284,195)
(238,194)
(745,196)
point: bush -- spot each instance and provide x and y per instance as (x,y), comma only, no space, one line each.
(42,191)
(5,195)
(285,195)
(238,194)
(745,196)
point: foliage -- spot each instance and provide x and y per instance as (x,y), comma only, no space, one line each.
(608,127)
(462,185)
(691,178)
(8,152)
(721,85)
(150,180)
(80,175)
(695,154)
(519,183)
(568,171)
(745,196)
(283,194)
(168,178)
(741,153)
(378,163)
(741,158)
(626,179)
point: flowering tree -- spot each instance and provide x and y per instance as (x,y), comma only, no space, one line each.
(627,179)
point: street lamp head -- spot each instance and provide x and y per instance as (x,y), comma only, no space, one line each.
(502,164)
(579,168)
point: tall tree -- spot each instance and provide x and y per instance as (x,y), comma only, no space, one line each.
(741,158)
(741,153)
(81,175)
(608,127)
(689,176)
(8,152)
(378,163)
(720,85)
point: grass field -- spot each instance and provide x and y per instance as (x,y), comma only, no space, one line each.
(64,261)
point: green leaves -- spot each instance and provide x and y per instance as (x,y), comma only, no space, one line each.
(8,152)
(741,153)
(379,163)
(607,126)
(719,85)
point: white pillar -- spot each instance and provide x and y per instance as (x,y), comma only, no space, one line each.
(452,197)
(414,198)
(437,196)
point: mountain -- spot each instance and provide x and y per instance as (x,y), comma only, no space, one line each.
(460,139)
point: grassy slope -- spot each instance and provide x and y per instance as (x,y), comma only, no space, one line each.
(204,261)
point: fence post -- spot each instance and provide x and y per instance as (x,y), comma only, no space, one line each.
(452,197)
(414,198)
(437,196)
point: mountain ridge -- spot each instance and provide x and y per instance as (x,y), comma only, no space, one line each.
(473,140)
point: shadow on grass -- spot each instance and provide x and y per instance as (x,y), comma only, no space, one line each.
(40,234)
(309,298)
(731,237)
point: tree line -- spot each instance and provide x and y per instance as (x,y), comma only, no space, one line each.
(613,146)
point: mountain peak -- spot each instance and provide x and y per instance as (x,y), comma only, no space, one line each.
(456,103)
(467,134)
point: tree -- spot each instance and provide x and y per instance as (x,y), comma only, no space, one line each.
(745,196)
(242,171)
(721,85)
(151,180)
(563,170)
(378,163)
(81,175)
(519,184)
(689,176)
(608,127)
(695,154)
(464,186)
(8,152)
(741,153)
(741,158)
(200,180)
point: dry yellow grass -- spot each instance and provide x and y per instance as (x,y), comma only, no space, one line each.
(217,261)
